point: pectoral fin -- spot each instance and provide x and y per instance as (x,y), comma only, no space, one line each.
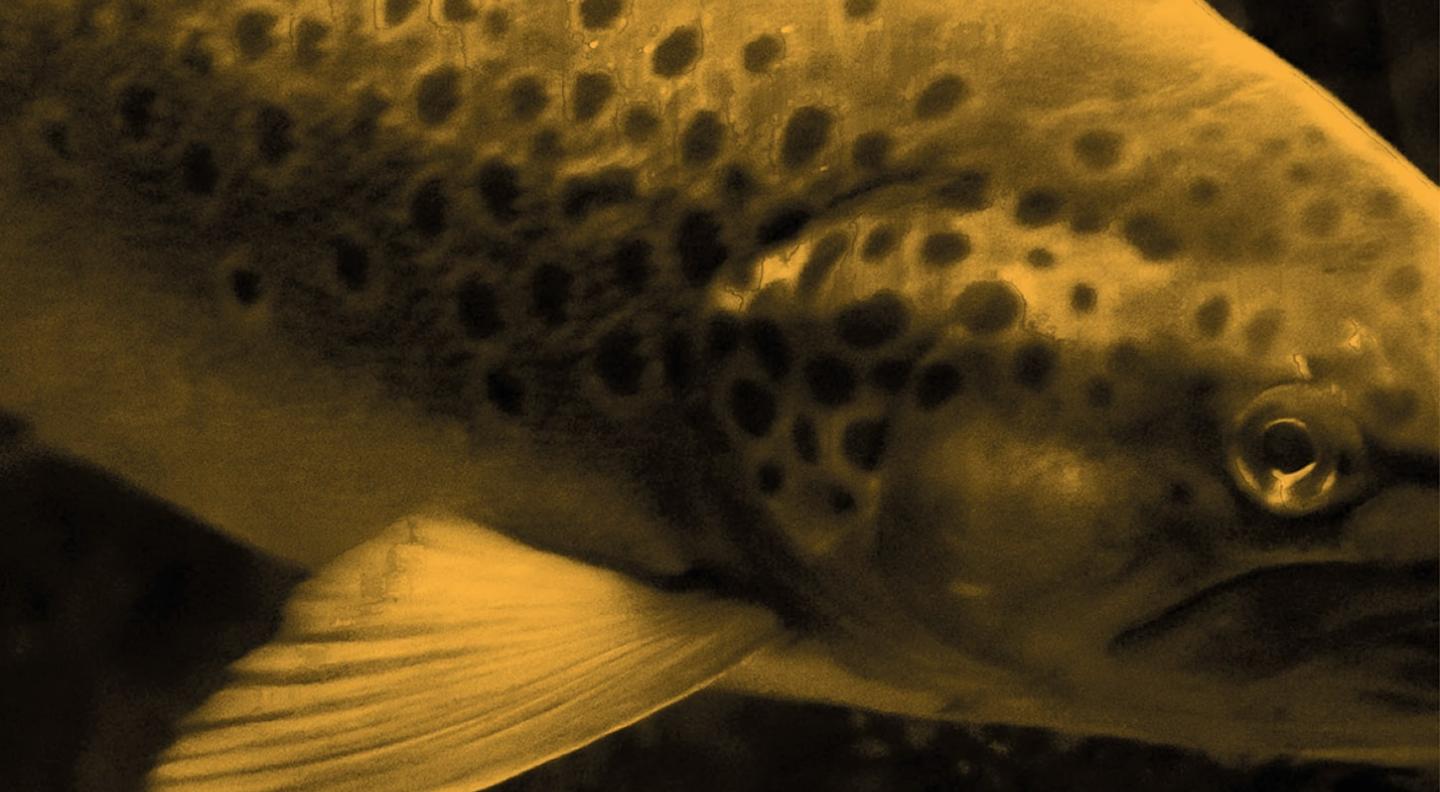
(444,656)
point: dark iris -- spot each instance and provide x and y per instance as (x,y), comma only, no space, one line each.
(1286,446)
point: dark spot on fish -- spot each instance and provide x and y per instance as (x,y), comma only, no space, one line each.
(1034,365)
(752,406)
(841,501)
(1088,220)
(369,107)
(352,263)
(478,309)
(199,175)
(1212,316)
(700,142)
(611,186)
(863,442)
(880,318)
(945,248)
(722,336)
(1038,207)
(941,96)
(592,92)
(254,33)
(1382,204)
(1099,393)
(805,135)
(430,208)
(823,258)
(437,95)
(699,246)
(892,374)
(1099,149)
(550,293)
(245,285)
(831,380)
(678,361)
(1125,358)
(871,150)
(1083,298)
(273,126)
(1320,218)
(496,22)
(396,11)
(988,307)
(966,191)
(459,10)
(770,478)
(1402,282)
(1179,494)
(196,56)
(767,341)
(137,106)
(548,145)
(1301,173)
(880,242)
(805,440)
(1152,237)
(936,384)
(505,391)
(528,98)
(618,363)
(762,52)
(639,124)
(1395,405)
(1040,258)
(56,136)
(736,184)
(783,224)
(857,9)
(1261,330)
(631,263)
(310,34)
(1203,191)
(676,53)
(599,13)
(498,184)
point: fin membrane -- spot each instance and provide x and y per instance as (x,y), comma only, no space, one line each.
(444,656)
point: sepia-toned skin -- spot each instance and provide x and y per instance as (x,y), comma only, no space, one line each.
(1069,364)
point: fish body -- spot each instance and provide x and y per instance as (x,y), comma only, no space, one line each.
(1069,364)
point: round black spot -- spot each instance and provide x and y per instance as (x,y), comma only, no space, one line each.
(1261,330)
(831,381)
(592,92)
(987,307)
(478,309)
(855,9)
(437,95)
(611,186)
(430,207)
(767,341)
(1396,405)
(1301,173)
(1203,191)
(1124,357)
(245,286)
(550,293)
(631,263)
(1034,365)
(352,263)
(310,35)
(752,406)
(396,11)
(676,53)
(700,142)
(722,336)
(497,22)
(1099,393)
(1040,258)
(805,135)
(498,185)
(1285,446)
(945,248)
(805,440)
(871,150)
(863,442)
(619,363)
(941,96)
(196,56)
(783,224)
(255,33)
(678,361)
(639,124)
(880,242)
(892,374)
(458,10)
(1083,298)
(823,258)
(936,384)
(1402,282)
(599,13)
(505,391)
(1180,494)
(199,174)
(273,126)
(547,145)
(736,184)
(1038,207)
(137,110)
(699,246)
(762,52)
(965,191)
(1212,316)
(841,501)
(1099,148)
(1320,218)
(1088,220)
(528,98)
(770,478)
(1152,237)
(880,318)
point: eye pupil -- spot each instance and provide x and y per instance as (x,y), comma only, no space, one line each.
(1286,446)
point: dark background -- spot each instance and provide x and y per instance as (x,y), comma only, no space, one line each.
(116,613)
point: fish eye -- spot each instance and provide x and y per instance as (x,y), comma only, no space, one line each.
(1295,450)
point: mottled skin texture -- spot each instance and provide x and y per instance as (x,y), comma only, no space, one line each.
(929,324)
